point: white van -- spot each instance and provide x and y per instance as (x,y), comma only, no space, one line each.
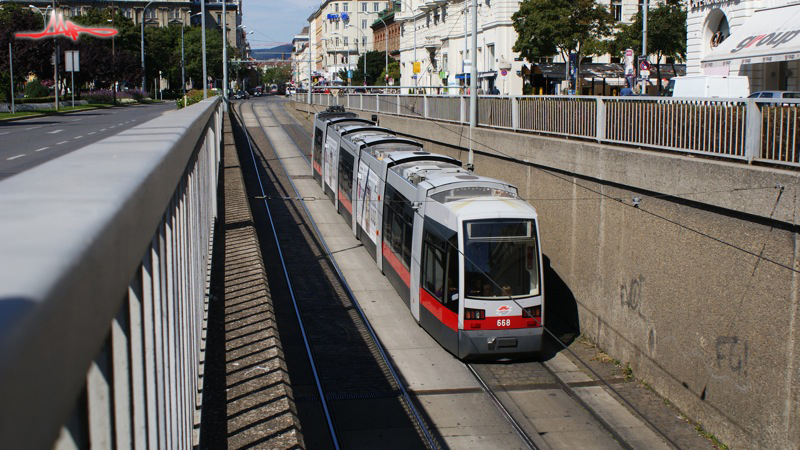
(709,86)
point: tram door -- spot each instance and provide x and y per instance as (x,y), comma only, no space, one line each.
(439,285)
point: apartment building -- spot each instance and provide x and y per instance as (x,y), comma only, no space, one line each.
(301,58)
(339,32)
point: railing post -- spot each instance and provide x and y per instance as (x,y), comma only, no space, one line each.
(462,110)
(425,106)
(514,113)
(361,101)
(399,109)
(600,125)
(377,103)
(752,142)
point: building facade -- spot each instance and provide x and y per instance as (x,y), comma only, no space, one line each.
(339,33)
(386,32)
(759,39)
(301,59)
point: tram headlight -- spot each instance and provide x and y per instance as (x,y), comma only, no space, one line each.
(535,313)
(474,314)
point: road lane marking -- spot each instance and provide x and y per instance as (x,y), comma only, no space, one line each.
(15,157)
(62,142)
(77,137)
(93,132)
(54,131)
(33,128)
(104,129)
(4,133)
(43,148)
(113,126)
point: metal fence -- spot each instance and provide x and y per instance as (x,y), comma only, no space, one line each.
(103,288)
(734,128)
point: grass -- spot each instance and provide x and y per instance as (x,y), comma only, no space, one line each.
(45,112)
(702,432)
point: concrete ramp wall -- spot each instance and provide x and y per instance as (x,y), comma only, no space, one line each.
(686,268)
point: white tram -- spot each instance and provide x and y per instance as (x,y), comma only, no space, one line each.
(461,250)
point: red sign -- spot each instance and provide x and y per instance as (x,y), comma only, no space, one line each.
(66,28)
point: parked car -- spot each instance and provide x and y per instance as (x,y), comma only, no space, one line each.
(242,95)
(775,94)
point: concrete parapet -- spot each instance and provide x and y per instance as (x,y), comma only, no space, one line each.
(686,268)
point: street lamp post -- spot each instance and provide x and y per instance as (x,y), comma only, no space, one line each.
(203,32)
(224,55)
(144,75)
(55,50)
(365,52)
(414,18)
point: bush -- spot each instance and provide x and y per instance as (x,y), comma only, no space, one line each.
(137,94)
(192,97)
(35,89)
(104,96)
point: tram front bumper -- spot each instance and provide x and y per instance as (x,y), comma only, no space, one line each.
(494,344)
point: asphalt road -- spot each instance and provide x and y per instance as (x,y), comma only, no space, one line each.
(27,143)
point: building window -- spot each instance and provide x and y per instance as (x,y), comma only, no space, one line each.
(151,14)
(337,25)
(376,6)
(364,41)
(346,41)
(345,7)
(337,42)
(616,9)
(364,24)
(364,7)
(335,7)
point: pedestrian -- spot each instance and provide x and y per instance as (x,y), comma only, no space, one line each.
(626,91)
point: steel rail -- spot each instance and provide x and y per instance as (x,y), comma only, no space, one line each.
(317,381)
(506,413)
(417,416)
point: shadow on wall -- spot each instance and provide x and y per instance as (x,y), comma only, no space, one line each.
(561,313)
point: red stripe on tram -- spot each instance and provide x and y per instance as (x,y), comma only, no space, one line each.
(398,266)
(444,315)
(345,202)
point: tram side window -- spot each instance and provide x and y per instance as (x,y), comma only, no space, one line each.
(440,269)
(318,145)
(398,224)
(346,161)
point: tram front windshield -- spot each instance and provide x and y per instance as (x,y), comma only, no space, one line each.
(501,259)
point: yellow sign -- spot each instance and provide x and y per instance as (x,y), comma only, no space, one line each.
(416,67)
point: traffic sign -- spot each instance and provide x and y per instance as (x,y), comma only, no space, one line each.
(504,72)
(417,67)
(644,65)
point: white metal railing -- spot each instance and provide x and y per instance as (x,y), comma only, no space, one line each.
(103,288)
(734,128)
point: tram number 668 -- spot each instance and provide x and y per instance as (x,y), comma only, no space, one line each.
(503,322)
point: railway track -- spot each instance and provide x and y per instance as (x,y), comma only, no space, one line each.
(502,383)
(355,387)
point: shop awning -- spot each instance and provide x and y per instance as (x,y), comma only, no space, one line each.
(770,35)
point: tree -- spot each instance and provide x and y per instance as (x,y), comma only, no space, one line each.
(30,56)
(394,73)
(277,75)
(666,34)
(547,27)
(376,62)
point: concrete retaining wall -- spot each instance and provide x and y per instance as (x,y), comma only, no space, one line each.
(696,287)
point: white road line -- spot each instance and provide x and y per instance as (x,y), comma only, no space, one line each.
(77,137)
(54,131)
(43,148)
(93,132)
(33,128)
(15,157)
(104,129)
(113,126)
(62,142)
(5,132)
(121,124)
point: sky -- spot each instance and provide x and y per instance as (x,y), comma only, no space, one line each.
(276,22)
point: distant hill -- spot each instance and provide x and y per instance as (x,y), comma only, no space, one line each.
(272,53)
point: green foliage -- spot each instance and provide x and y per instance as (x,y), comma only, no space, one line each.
(394,72)
(192,97)
(34,88)
(666,32)
(277,75)
(547,27)
(376,63)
